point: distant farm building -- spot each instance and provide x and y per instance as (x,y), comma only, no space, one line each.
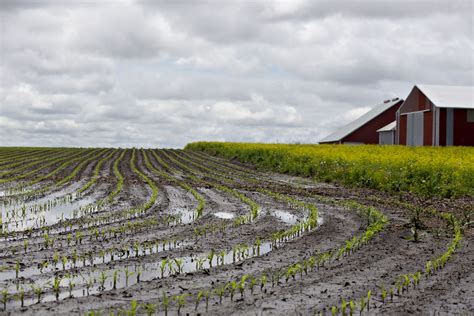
(364,130)
(430,116)
(387,134)
(437,116)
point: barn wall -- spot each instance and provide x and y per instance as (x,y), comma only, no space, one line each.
(442,127)
(367,133)
(427,128)
(416,101)
(463,130)
(402,130)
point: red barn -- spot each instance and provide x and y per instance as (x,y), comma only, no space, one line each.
(364,129)
(437,116)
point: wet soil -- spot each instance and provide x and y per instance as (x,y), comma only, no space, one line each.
(377,264)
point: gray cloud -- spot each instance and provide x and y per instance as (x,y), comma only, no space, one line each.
(164,73)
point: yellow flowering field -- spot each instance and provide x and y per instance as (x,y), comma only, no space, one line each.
(428,171)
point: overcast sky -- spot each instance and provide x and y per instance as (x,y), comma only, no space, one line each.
(165,73)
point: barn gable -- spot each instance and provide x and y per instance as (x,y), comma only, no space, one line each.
(437,116)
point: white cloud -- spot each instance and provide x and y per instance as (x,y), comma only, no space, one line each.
(163,73)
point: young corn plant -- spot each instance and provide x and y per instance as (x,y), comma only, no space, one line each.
(139,273)
(179,264)
(343,307)
(115,276)
(369,295)
(55,259)
(17,269)
(64,262)
(102,280)
(25,245)
(149,308)
(232,287)
(163,265)
(383,294)
(71,286)
(181,301)
(133,308)
(56,286)
(220,291)
(253,282)
(211,256)
(127,275)
(207,296)
(21,294)
(166,303)
(4,296)
(363,304)
(198,299)
(38,290)
(263,282)
(352,307)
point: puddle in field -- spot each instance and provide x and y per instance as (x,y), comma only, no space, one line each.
(187,216)
(62,205)
(224,215)
(83,261)
(286,217)
(97,281)
(146,271)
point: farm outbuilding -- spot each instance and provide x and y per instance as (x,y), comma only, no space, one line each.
(364,130)
(387,134)
(437,116)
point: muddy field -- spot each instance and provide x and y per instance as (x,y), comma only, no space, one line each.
(100,231)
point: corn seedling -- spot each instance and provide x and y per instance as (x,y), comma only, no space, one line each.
(102,279)
(71,286)
(149,308)
(127,275)
(199,297)
(115,279)
(383,294)
(207,295)
(17,269)
(166,303)
(4,295)
(56,286)
(139,273)
(163,265)
(179,264)
(180,301)
(211,256)
(133,308)
(263,282)
(343,307)
(352,307)
(38,290)
(21,294)
(369,295)
(220,291)
(232,287)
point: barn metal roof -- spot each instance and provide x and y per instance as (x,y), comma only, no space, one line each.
(461,97)
(389,127)
(354,125)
